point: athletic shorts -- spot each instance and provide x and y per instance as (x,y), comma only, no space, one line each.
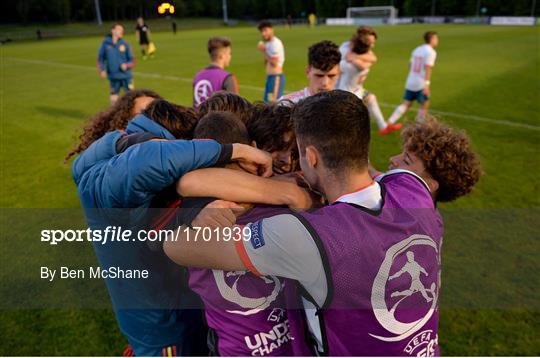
(117,85)
(417,96)
(274,83)
(144,41)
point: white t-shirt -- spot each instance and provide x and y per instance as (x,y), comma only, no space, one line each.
(421,56)
(351,77)
(275,47)
(297,96)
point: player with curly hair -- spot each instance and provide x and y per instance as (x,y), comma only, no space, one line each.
(322,71)
(113,118)
(441,156)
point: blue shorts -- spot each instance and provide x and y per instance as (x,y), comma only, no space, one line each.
(117,85)
(274,83)
(412,96)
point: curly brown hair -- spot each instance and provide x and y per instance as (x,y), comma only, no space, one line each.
(447,156)
(113,118)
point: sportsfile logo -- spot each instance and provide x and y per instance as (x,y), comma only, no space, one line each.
(257,240)
(264,343)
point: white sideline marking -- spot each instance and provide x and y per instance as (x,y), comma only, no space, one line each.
(260,89)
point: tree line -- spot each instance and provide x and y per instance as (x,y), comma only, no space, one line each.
(63,11)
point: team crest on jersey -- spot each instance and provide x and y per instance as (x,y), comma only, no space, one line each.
(122,48)
(421,291)
(230,286)
(202,91)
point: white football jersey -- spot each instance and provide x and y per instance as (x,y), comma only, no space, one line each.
(275,47)
(351,77)
(297,96)
(421,56)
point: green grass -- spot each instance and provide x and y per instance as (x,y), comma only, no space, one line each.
(50,87)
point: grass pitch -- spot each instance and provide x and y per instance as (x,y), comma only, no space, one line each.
(485,81)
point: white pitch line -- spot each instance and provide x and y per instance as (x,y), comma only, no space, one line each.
(501,122)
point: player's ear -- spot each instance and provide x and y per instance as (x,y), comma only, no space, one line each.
(254,144)
(312,156)
(307,70)
(433,185)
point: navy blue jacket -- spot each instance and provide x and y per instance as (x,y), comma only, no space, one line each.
(111,56)
(147,310)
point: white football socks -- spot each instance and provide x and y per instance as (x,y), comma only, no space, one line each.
(375,112)
(398,112)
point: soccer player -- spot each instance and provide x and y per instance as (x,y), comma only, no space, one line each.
(274,57)
(322,71)
(128,169)
(441,156)
(357,57)
(142,31)
(419,78)
(343,254)
(271,129)
(214,77)
(115,61)
(240,307)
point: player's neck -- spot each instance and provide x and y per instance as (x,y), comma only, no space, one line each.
(115,39)
(335,186)
(219,64)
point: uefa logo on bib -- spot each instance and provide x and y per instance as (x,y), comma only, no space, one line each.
(238,287)
(405,292)
(203,90)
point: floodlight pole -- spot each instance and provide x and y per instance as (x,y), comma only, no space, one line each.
(533,7)
(98,13)
(433,7)
(478,8)
(225,15)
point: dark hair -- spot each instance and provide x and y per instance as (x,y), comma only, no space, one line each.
(264,24)
(224,127)
(113,118)
(178,120)
(429,35)
(268,125)
(117,24)
(324,55)
(217,43)
(337,124)
(447,156)
(359,41)
(228,102)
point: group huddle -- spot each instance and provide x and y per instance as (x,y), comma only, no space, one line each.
(330,256)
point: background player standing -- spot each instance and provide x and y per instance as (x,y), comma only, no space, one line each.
(115,61)
(274,57)
(419,78)
(214,77)
(322,71)
(142,31)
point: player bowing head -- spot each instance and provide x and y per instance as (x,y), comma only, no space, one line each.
(322,70)
(228,102)
(180,121)
(271,129)
(440,155)
(223,127)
